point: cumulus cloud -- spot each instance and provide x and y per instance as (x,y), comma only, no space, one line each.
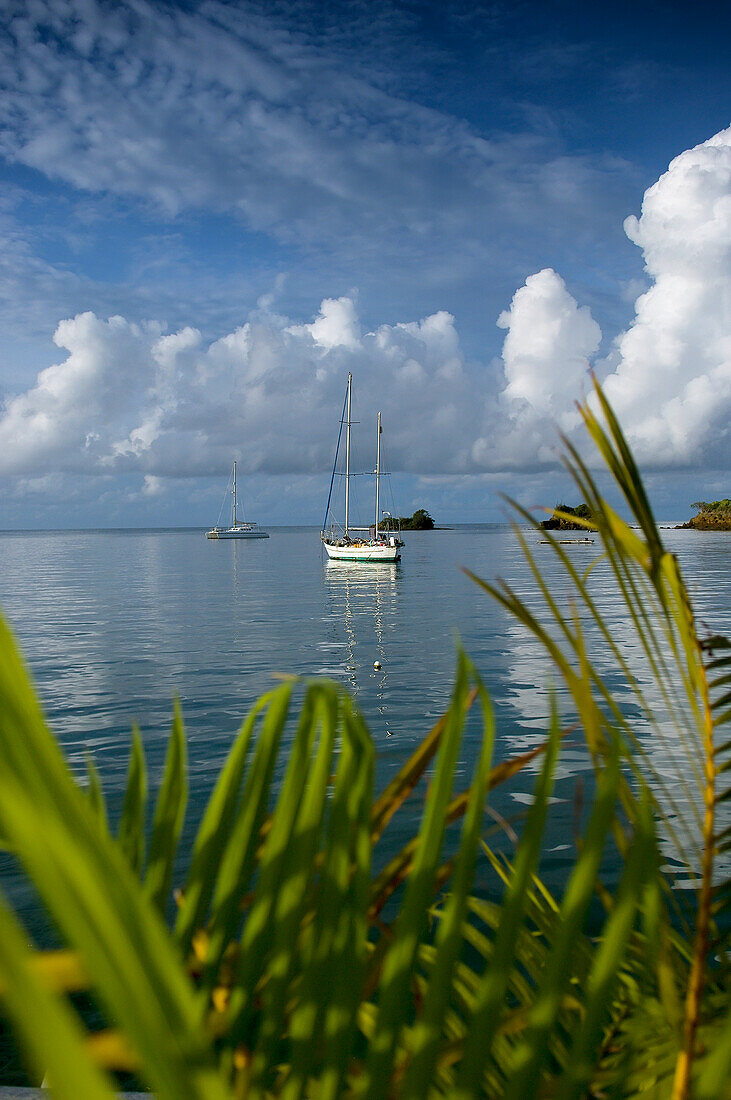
(133,398)
(545,358)
(66,419)
(547,349)
(336,325)
(671,376)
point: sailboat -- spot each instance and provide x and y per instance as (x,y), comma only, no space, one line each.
(239,529)
(358,543)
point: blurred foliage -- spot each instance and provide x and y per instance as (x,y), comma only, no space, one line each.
(300,962)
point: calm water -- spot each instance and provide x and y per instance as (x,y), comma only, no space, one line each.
(114,624)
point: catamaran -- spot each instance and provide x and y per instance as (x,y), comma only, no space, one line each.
(239,529)
(350,543)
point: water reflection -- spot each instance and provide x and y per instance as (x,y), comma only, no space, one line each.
(115,624)
(362,599)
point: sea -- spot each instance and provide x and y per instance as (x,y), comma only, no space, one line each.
(116,624)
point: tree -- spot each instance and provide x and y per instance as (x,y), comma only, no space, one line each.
(421,520)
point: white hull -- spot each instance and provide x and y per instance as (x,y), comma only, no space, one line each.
(237,533)
(363,551)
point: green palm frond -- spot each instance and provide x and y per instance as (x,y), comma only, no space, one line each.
(132,823)
(676,678)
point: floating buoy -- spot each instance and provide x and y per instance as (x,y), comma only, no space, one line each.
(376,664)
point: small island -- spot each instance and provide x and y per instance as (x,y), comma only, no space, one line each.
(559,522)
(420,521)
(714,515)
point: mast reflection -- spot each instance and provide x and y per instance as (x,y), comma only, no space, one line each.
(363,598)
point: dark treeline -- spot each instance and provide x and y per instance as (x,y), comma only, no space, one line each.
(563,522)
(420,521)
(713,515)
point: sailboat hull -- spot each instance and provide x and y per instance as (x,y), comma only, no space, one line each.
(364,551)
(237,533)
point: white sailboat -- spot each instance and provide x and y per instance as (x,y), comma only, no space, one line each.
(359,544)
(239,529)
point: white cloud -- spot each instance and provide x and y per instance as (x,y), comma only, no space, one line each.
(184,155)
(153,486)
(671,382)
(669,376)
(335,326)
(67,419)
(547,349)
(130,398)
(221,107)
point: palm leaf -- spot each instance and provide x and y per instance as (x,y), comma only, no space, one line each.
(55,1050)
(680,716)
(132,822)
(426,1037)
(412,920)
(93,897)
(169,814)
(334,965)
(494,982)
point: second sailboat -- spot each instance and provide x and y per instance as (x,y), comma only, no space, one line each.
(358,543)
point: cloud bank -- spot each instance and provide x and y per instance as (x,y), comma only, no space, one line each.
(671,382)
(668,375)
(130,397)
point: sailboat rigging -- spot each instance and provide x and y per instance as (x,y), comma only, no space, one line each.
(358,543)
(238,529)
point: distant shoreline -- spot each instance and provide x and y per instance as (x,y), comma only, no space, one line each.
(691,526)
(714,515)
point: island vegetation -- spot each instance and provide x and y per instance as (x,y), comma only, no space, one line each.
(564,518)
(295,958)
(714,515)
(420,521)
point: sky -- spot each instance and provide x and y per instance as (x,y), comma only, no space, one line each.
(211,212)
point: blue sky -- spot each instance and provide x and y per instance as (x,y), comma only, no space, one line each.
(210,212)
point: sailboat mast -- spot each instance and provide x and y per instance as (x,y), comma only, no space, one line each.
(378,469)
(347,458)
(234,494)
